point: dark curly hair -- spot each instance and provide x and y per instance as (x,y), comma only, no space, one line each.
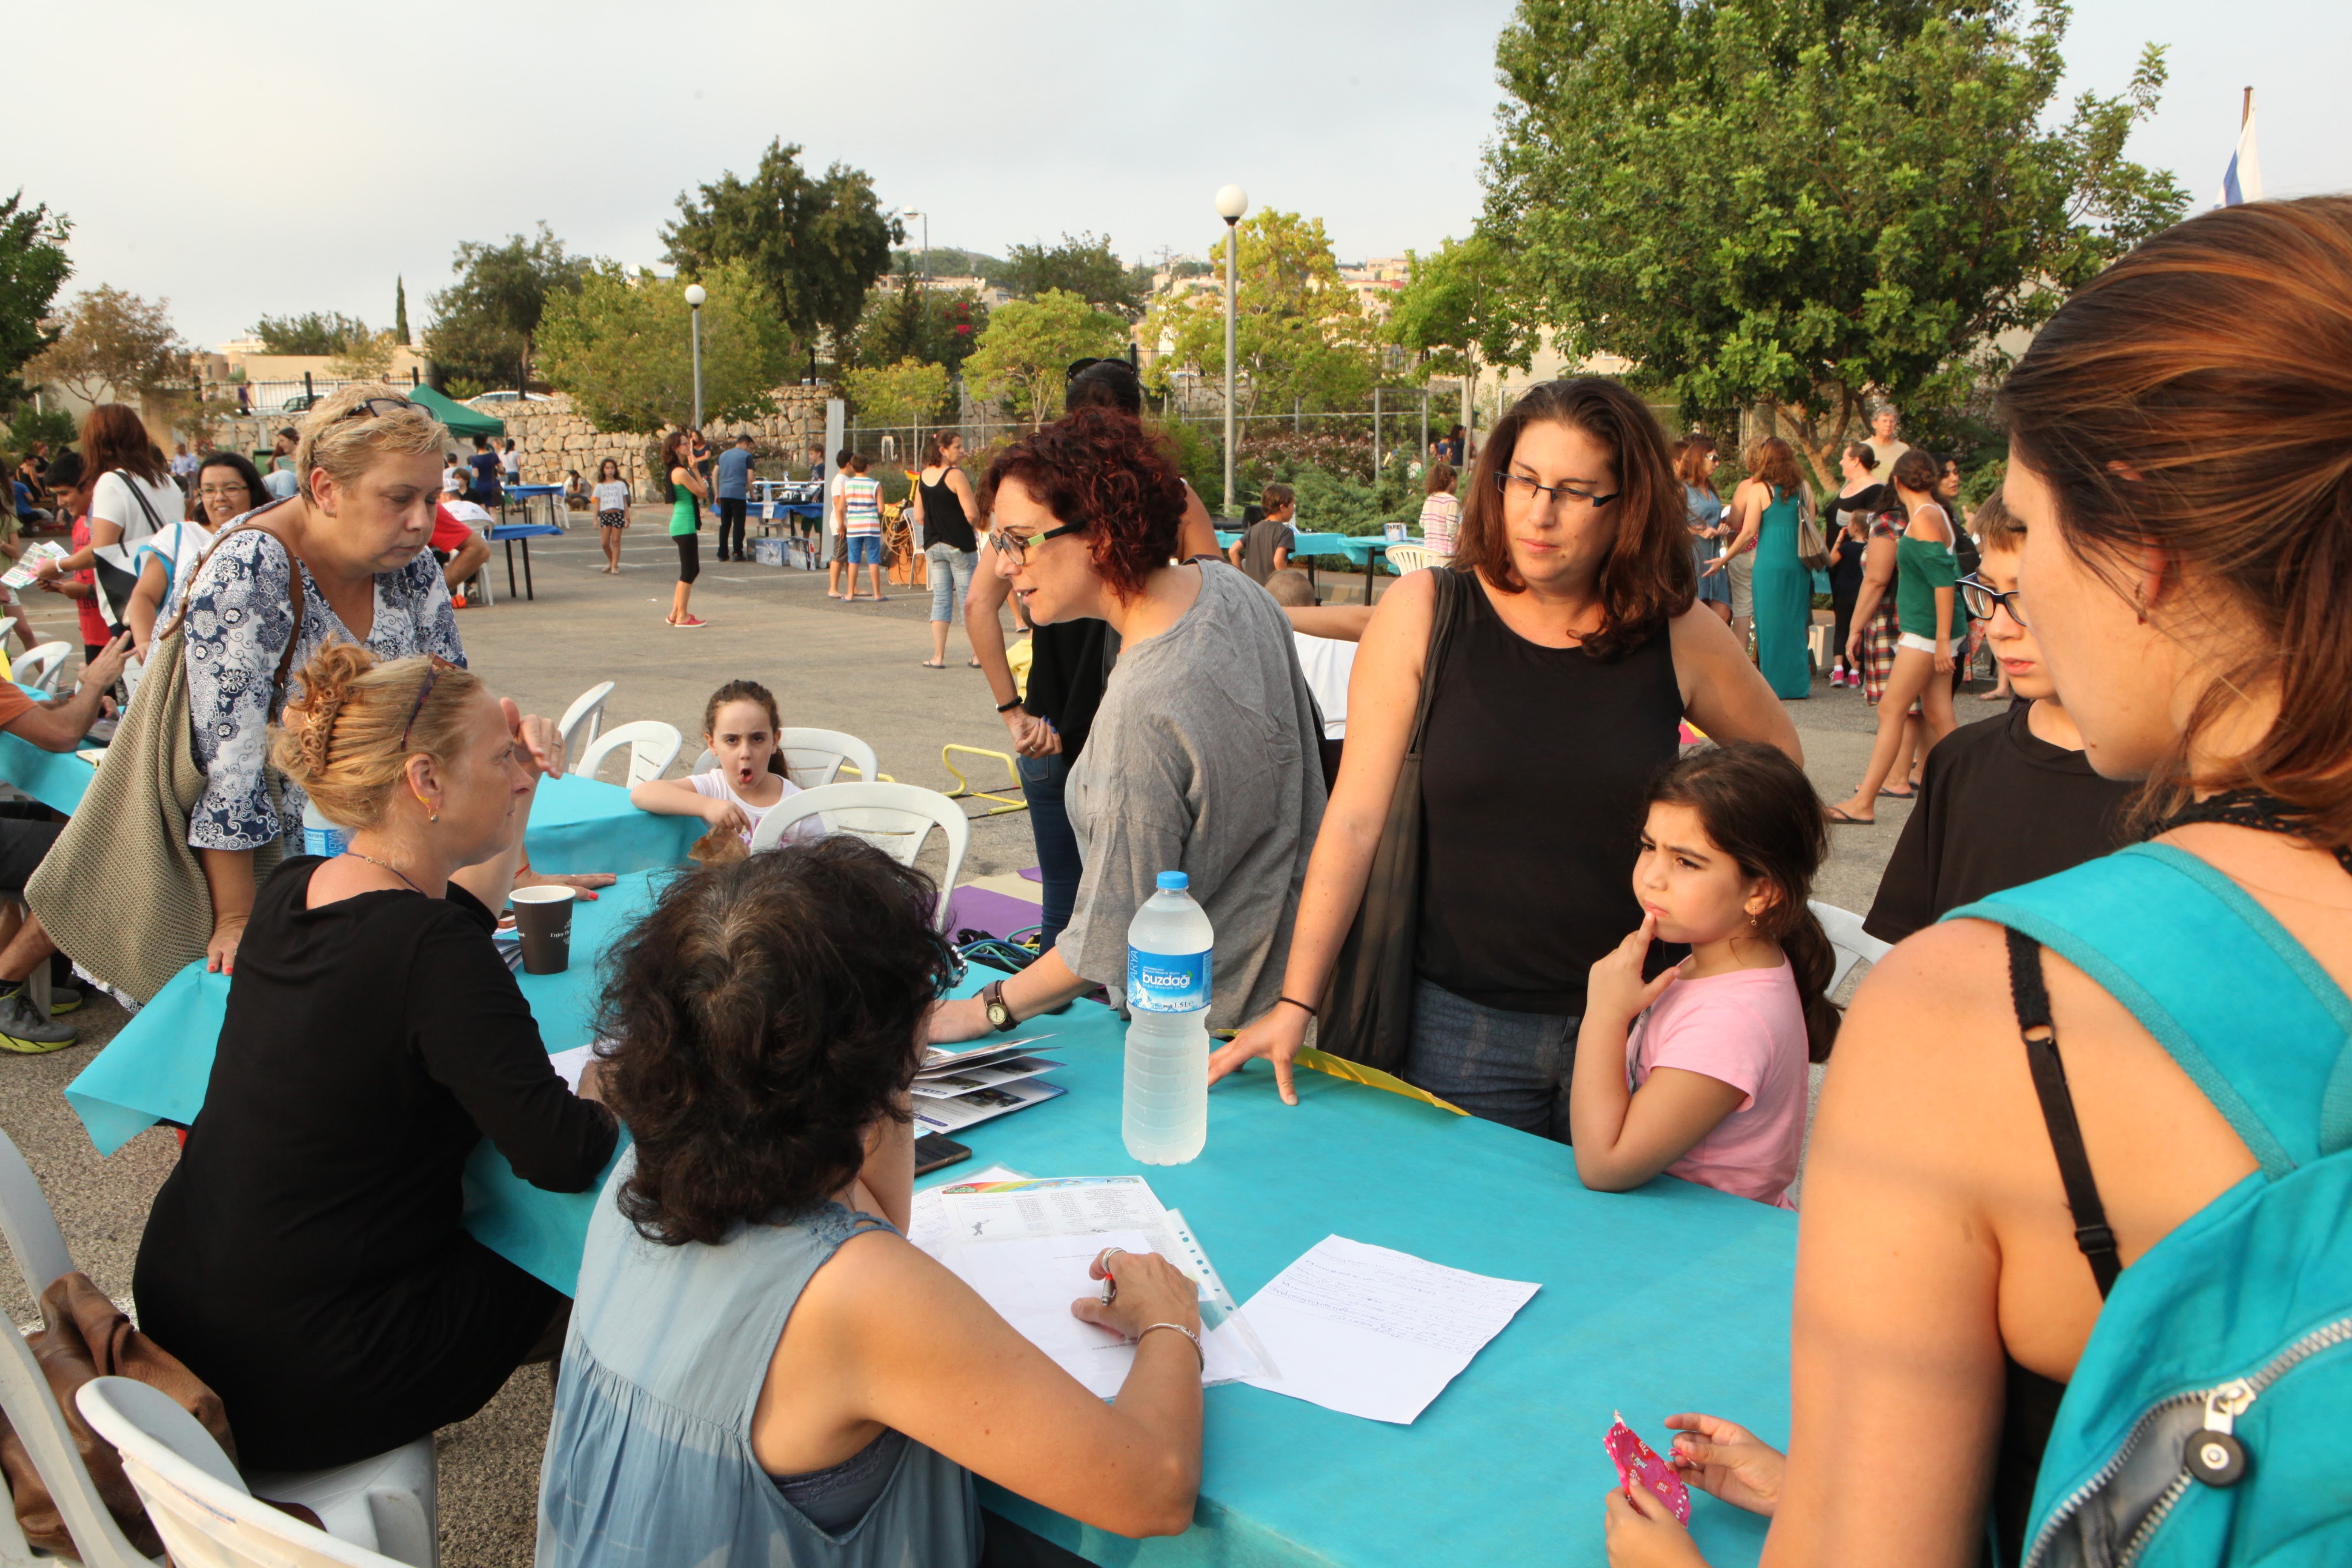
(761,1018)
(1105,473)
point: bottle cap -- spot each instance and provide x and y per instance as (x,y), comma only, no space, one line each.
(1174,881)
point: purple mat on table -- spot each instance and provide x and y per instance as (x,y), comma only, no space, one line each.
(1035,874)
(977,908)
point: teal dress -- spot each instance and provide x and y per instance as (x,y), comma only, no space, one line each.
(1784,601)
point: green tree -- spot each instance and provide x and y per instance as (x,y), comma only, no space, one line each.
(815,246)
(908,393)
(485,326)
(365,359)
(1298,333)
(113,344)
(1456,313)
(1030,344)
(33,266)
(619,345)
(942,326)
(311,332)
(400,308)
(1804,202)
(1082,264)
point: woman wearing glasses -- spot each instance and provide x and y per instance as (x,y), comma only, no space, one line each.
(227,486)
(1559,653)
(304,1257)
(349,546)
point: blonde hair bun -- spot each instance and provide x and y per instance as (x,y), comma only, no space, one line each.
(348,742)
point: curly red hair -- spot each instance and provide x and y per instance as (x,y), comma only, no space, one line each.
(1107,474)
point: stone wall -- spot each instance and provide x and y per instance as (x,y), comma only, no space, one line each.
(551,439)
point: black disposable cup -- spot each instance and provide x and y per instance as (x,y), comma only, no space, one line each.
(543,918)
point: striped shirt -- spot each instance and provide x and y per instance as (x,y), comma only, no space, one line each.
(1440,514)
(861,504)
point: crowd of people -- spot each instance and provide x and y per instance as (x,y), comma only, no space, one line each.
(1504,873)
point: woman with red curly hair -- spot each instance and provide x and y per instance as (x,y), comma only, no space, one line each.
(1201,758)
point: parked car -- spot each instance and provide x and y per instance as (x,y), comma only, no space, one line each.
(301,403)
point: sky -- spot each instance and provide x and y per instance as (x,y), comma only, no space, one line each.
(239,169)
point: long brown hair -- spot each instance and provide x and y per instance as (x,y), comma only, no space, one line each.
(1774,461)
(1759,808)
(2197,396)
(749,692)
(113,437)
(1648,576)
(1691,454)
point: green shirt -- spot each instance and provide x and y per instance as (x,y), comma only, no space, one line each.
(681,512)
(1922,566)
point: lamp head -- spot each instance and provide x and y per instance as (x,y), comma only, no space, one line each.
(696,295)
(1232,202)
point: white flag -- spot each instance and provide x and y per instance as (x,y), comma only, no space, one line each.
(2243,180)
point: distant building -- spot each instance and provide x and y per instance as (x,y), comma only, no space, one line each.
(990,295)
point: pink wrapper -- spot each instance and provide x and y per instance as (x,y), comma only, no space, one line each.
(1636,1460)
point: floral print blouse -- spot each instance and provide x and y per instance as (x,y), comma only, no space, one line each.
(240,616)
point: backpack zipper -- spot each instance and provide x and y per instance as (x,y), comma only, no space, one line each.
(2325,1337)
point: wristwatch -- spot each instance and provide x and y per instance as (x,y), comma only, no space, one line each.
(1000,1015)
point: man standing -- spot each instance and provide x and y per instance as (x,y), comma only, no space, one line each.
(734,494)
(1265,545)
(1883,443)
(184,466)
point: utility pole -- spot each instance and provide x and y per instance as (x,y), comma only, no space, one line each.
(1232,202)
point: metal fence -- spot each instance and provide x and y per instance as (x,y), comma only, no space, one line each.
(264,399)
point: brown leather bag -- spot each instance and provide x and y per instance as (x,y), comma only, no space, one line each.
(85,1336)
(1367,1011)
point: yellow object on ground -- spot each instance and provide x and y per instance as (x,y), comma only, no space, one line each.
(1004,803)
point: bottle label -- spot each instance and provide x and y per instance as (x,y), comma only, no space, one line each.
(324,839)
(1167,983)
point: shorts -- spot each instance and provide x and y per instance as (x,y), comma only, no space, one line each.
(951,575)
(612,520)
(1915,643)
(1742,572)
(840,547)
(864,549)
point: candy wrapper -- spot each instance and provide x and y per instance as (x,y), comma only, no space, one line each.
(1636,1460)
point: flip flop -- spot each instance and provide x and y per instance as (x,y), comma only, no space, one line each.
(1837,815)
(971,664)
(1899,793)
(929,665)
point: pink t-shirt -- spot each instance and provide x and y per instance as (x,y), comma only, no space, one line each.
(1745,1028)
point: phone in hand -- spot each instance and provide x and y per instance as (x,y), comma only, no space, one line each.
(935,1152)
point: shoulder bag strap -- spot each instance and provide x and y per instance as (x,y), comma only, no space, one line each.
(1445,617)
(2034,1026)
(294,595)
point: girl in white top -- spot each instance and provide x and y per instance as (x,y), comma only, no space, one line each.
(740,725)
(612,495)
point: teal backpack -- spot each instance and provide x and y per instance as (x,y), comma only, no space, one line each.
(2206,1422)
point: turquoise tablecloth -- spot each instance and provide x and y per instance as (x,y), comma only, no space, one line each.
(1672,1297)
(55,779)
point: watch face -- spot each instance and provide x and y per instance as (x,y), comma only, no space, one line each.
(1000,1014)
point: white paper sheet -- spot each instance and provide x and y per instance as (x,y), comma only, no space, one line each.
(983,1105)
(1032,1283)
(1375,1332)
(947,1086)
(1050,1205)
(569,1065)
(928,1225)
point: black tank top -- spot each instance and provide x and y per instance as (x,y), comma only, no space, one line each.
(943,519)
(1533,775)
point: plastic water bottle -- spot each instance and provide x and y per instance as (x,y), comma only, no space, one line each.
(320,836)
(1165,1119)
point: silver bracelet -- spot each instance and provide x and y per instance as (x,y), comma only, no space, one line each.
(1186,1332)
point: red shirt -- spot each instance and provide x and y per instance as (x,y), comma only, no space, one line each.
(93,625)
(449,535)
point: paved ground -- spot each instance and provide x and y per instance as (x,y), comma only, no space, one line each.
(853,668)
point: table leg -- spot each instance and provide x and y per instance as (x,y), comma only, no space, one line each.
(510,581)
(1372,558)
(528,591)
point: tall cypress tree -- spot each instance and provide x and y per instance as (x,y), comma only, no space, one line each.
(400,310)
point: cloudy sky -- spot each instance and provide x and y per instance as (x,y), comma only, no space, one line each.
(241,167)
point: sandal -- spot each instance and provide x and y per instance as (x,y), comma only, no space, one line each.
(929,665)
(1898,794)
(1837,814)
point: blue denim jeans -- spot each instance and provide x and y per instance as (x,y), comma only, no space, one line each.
(1057,847)
(1511,1068)
(950,572)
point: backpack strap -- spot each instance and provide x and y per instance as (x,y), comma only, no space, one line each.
(2258,1026)
(2040,1032)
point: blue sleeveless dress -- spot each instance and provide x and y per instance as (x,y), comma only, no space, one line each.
(649,1460)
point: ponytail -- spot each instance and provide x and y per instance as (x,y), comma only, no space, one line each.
(1812,962)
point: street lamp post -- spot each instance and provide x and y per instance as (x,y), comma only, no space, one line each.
(927,248)
(1232,202)
(694,295)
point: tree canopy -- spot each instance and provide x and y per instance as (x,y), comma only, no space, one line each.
(1082,264)
(905,392)
(814,246)
(33,266)
(1030,344)
(620,345)
(485,326)
(1455,312)
(940,326)
(1299,332)
(311,332)
(1804,202)
(112,344)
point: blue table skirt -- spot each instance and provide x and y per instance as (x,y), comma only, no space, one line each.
(55,779)
(1672,1297)
(587,825)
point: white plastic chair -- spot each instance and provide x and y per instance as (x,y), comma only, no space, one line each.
(194,1496)
(41,665)
(894,817)
(814,757)
(1852,944)
(1404,558)
(653,746)
(584,718)
(388,1503)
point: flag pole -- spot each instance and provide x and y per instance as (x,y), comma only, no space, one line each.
(2246,108)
